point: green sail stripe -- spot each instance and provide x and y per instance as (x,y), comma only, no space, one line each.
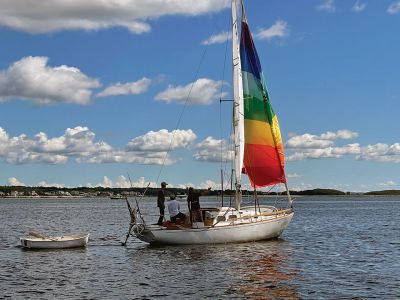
(254,93)
(254,109)
(252,85)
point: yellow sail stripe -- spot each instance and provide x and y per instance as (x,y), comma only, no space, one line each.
(260,133)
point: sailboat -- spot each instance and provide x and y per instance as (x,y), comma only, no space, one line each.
(258,153)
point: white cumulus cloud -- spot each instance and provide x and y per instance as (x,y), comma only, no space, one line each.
(359,6)
(394,8)
(209,184)
(324,140)
(142,182)
(106,183)
(55,15)
(217,38)
(381,152)
(123,182)
(162,140)
(209,150)
(12,181)
(292,175)
(310,146)
(137,157)
(308,141)
(80,144)
(129,88)
(279,29)
(78,141)
(32,79)
(46,184)
(340,134)
(329,152)
(328,6)
(389,183)
(202,91)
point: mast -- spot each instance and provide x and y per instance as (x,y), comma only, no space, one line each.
(238,120)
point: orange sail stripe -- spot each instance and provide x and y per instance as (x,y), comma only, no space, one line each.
(258,132)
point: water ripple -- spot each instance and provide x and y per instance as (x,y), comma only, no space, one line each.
(335,248)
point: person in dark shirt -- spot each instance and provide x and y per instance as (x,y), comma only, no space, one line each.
(161,202)
(193,201)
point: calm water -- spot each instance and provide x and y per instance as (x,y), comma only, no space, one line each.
(335,248)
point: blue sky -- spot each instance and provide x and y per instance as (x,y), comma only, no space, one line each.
(91,91)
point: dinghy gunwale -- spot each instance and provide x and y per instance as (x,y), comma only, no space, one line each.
(57,242)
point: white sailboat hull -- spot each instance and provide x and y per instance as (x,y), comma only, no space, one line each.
(61,242)
(237,233)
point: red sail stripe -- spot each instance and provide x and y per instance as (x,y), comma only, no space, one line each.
(263,165)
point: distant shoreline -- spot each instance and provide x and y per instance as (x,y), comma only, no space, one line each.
(214,196)
(86,192)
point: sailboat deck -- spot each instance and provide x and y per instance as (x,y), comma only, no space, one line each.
(228,216)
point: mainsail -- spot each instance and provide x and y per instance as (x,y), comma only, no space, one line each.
(263,151)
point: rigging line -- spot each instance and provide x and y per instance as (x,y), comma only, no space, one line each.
(183,108)
(181,113)
(220,95)
(223,161)
(187,100)
(231,148)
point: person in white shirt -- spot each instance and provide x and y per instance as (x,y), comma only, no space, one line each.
(174,210)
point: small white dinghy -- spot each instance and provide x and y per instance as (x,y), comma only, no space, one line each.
(38,241)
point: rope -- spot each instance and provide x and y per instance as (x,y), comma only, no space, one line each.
(223,161)
(220,97)
(187,100)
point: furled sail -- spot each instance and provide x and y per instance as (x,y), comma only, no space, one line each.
(263,151)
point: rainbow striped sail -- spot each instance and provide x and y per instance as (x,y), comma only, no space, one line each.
(263,151)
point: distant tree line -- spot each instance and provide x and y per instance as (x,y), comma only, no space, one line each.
(105,191)
(384,193)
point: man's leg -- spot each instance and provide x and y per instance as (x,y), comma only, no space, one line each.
(161,218)
(182,216)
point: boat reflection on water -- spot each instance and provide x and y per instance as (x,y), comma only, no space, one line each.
(255,270)
(266,273)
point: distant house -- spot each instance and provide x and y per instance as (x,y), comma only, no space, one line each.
(130,193)
(75,193)
(2,194)
(63,193)
(104,194)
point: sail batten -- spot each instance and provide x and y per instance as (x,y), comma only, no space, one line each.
(263,160)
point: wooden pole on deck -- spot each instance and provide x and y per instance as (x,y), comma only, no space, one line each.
(127,235)
(222,188)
